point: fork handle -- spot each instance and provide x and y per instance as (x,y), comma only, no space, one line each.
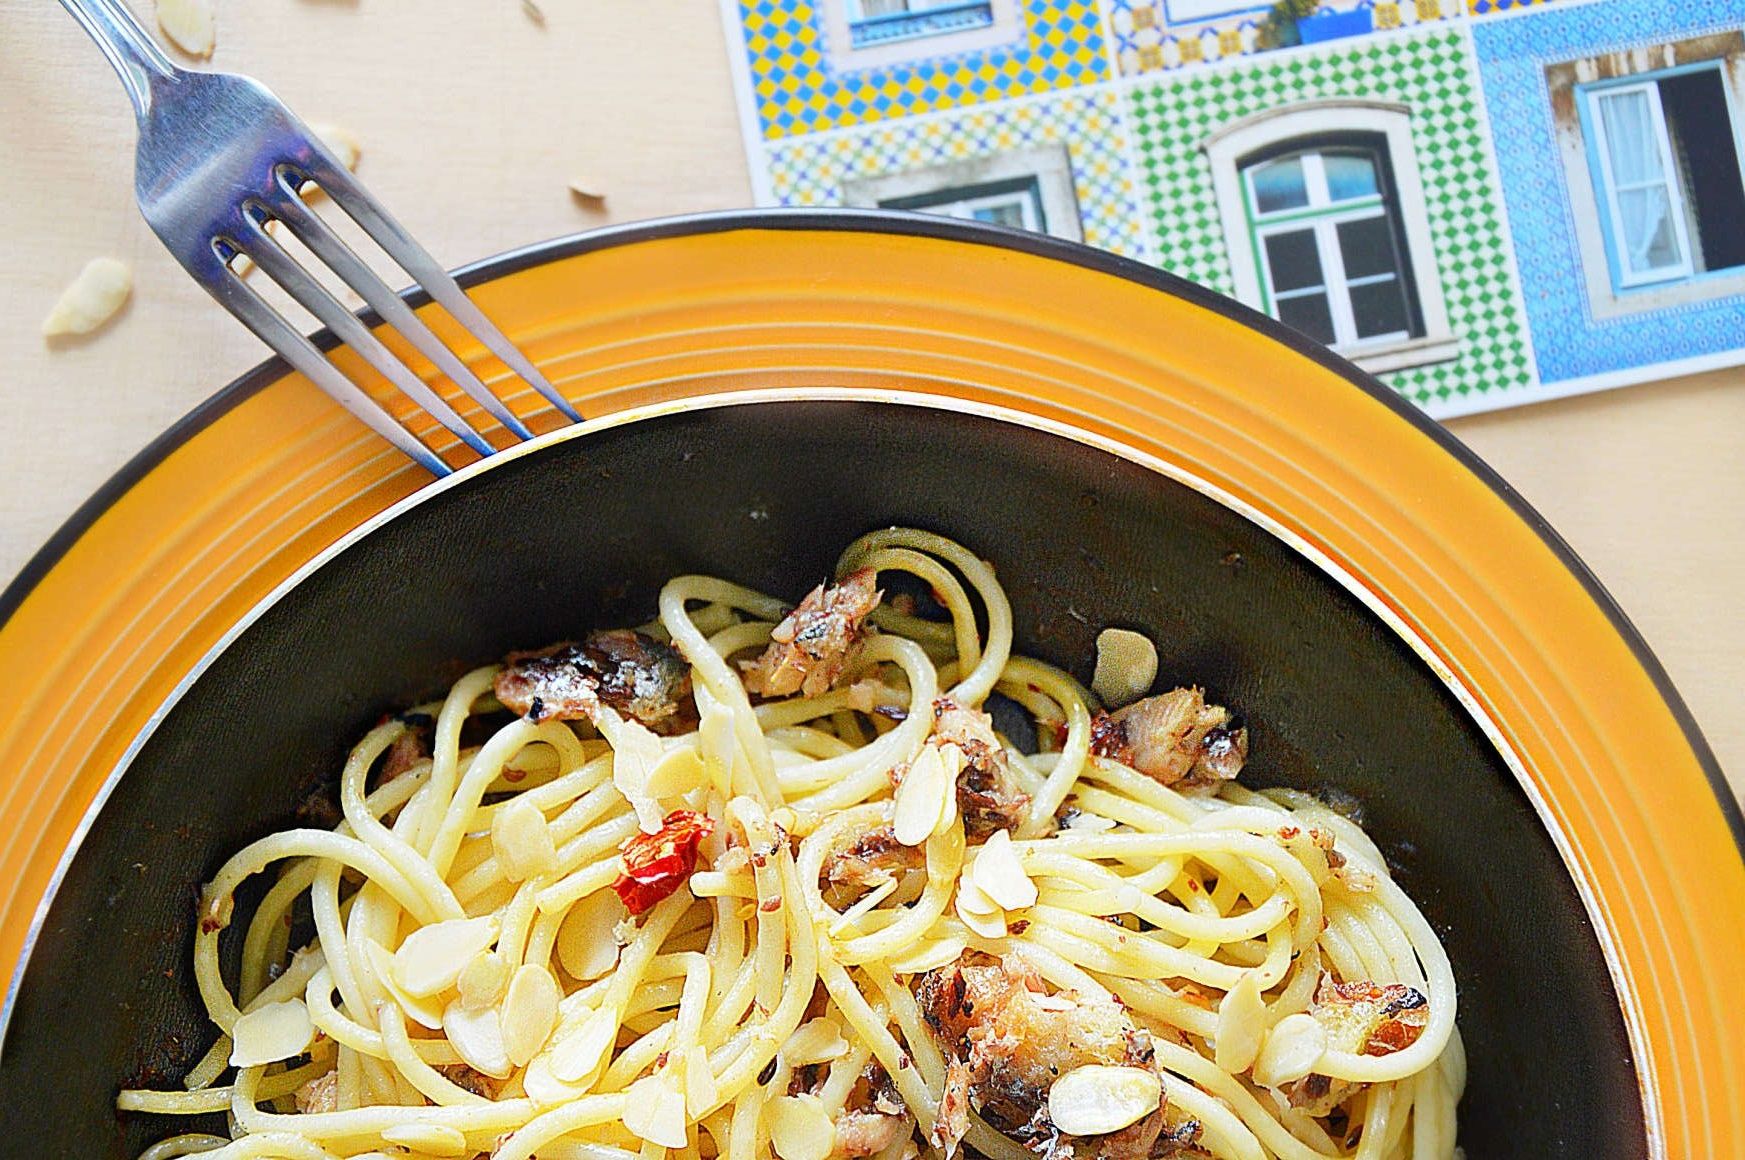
(129,47)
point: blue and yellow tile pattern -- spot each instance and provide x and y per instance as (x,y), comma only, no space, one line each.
(798,89)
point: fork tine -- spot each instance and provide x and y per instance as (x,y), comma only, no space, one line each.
(265,250)
(271,328)
(288,205)
(417,261)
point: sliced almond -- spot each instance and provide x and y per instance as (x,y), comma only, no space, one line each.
(476,1034)
(1241,1025)
(1096,1099)
(927,957)
(817,1041)
(919,802)
(701,1091)
(800,1128)
(544,1088)
(971,896)
(270,1033)
(430,1139)
(587,944)
(521,841)
(483,981)
(1048,1002)
(343,143)
(1001,875)
(191,25)
(91,299)
(1126,666)
(426,1012)
(1084,823)
(529,1012)
(985,925)
(1291,1050)
(579,1056)
(587,189)
(432,957)
(654,1110)
(678,773)
(635,753)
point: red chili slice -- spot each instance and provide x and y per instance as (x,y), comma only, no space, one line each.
(657,864)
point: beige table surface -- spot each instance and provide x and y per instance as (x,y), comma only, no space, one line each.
(473,119)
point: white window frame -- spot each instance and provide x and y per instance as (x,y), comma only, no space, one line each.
(1323,217)
(838,16)
(1669,181)
(1050,165)
(964,208)
(1275,128)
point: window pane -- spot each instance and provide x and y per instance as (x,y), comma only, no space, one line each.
(1005,213)
(1380,308)
(1350,175)
(1368,247)
(1308,314)
(1293,261)
(1278,185)
(1650,241)
(870,8)
(1632,137)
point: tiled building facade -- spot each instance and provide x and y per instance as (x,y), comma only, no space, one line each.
(1479,201)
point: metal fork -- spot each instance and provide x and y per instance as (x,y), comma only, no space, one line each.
(219,159)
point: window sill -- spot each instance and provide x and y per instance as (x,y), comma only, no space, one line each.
(1411,352)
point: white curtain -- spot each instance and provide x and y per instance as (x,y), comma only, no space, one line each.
(1633,135)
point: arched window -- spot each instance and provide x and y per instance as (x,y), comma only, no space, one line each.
(1323,211)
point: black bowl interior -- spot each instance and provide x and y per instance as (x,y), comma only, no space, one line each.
(583,533)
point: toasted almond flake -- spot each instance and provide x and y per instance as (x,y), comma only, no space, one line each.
(701,1091)
(270,1033)
(1241,1025)
(920,799)
(971,896)
(927,957)
(587,189)
(431,1139)
(800,1128)
(677,774)
(985,925)
(635,753)
(587,944)
(521,841)
(1291,1050)
(483,981)
(476,1034)
(544,1088)
(426,1012)
(191,25)
(432,957)
(91,299)
(529,1012)
(1001,875)
(1096,1099)
(1126,666)
(580,1055)
(341,141)
(654,1110)
(816,1041)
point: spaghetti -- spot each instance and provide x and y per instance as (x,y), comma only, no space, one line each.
(758,880)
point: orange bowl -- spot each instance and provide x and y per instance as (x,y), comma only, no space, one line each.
(153,573)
